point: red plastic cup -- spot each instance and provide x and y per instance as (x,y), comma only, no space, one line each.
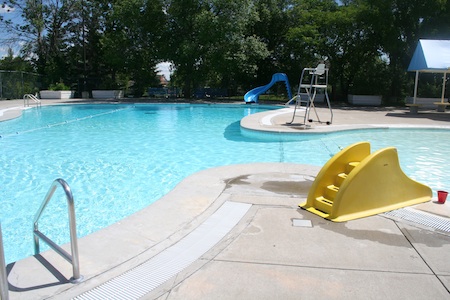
(442,196)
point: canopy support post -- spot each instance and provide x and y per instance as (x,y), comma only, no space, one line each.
(415,87)
(443,87)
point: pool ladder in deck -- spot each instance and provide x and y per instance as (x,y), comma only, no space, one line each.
(74,258)
(4,295)
(34,98)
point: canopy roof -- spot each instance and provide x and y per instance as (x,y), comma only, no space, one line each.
(431,56)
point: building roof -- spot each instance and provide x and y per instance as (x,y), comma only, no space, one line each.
(431,56)
(163,80)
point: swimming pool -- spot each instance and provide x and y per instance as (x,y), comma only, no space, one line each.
(119,158)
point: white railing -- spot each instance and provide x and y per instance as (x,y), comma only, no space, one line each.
(73,259)
(28,97)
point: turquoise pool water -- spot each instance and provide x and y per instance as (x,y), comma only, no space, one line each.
(119,159)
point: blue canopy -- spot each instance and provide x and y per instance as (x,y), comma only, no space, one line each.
(431,56)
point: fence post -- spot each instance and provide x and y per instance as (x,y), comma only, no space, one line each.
(1,85)
(21,85)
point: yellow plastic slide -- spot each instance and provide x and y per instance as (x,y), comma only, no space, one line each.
(355,184)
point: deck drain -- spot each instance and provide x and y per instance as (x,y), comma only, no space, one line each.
(146,277)
(422,218)
(301,223)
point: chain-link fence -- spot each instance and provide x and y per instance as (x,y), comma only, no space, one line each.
(15,84)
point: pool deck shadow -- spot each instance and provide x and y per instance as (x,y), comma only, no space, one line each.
(265,255)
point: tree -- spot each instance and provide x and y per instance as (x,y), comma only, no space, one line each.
(12,62)
(315,35)
(209,42)
(226,43)
(399,25)
(85,52)
(92,44)
(183,49)
(44,32)
(16,76)
(234,53)
(272,26)
(436,25)
(133,34)
(352,50)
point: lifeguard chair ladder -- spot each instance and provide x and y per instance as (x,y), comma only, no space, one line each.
(312,80)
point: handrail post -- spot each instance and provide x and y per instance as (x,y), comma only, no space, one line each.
(26,100)
(73,236)
(74,258)
(4,294)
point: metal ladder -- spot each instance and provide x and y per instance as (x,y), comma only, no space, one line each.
(28,97)
(307,92)
(73,259)
(4,295)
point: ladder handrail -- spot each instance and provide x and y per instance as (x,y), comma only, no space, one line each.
(74,258)
(27,97)
(4,294)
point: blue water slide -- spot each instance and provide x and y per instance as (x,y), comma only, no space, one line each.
(252,96)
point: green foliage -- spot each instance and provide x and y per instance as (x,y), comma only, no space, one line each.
(370,78)
(15,63)
(14,84)
(131,41)
(430,85)
(209,42)
(233,44)
(59,86)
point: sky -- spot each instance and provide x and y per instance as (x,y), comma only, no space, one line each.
(164,69)
(7,13)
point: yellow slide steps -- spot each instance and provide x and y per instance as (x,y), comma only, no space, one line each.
(355,184)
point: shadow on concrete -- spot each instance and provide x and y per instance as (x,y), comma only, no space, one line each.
(421,236)
(60,279)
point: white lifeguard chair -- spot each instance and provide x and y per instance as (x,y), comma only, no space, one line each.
(312,80)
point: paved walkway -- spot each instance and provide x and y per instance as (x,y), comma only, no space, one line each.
(276,251)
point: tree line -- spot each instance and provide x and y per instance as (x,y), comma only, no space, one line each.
(232,44)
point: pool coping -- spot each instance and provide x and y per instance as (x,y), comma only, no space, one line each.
(191,203)
(133,240)
(278,122)
(123,246)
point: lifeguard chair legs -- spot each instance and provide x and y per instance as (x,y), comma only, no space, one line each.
(312,80)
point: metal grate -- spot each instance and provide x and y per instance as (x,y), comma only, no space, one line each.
(422,218)
(146,277)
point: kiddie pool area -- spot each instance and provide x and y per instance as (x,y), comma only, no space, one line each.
(120,158)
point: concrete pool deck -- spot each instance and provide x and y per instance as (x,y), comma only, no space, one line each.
(276,250)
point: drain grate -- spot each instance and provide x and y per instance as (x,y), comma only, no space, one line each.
(422,218)
(146,277)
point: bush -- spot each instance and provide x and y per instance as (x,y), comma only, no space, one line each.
(59,86)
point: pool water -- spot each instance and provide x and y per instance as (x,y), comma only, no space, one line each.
(119,159)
